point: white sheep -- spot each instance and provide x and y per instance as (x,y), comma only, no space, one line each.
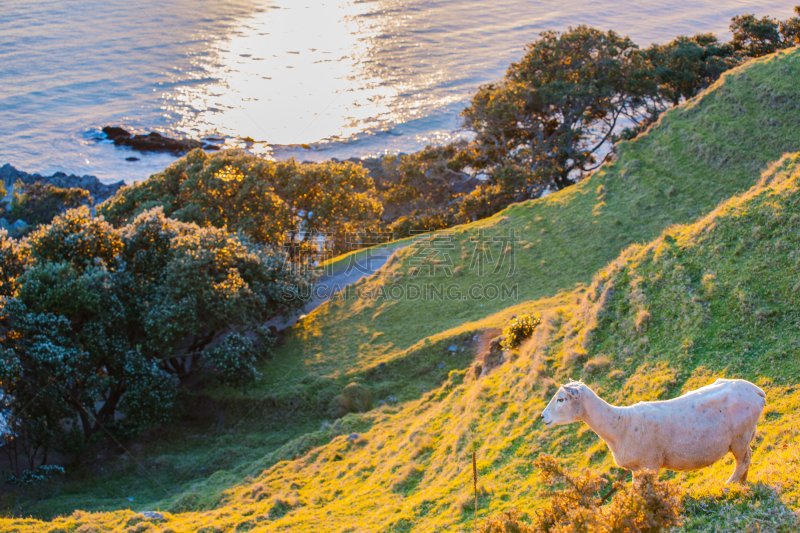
(686,433)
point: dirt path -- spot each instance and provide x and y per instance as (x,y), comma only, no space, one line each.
(328,285)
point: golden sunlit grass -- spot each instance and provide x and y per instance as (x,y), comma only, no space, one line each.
(718,297)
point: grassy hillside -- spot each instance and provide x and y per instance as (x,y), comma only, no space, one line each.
(714,298)
(693,158)
(719,297)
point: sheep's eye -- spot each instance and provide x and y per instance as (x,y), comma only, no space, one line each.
(561,399)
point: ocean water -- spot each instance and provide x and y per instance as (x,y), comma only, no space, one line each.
(311,79)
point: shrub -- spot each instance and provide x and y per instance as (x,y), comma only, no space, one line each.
(646,506)
(38,476)
(423,222)
(520,329)
(34,485)
(511,521)
(355,398)
(568,91)
(38,203)
(556,109)
(14,257)
(484,202)
(421,191)
(754,37)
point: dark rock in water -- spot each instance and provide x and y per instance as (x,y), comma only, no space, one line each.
(152,142)
(100,191)
(131,159)
(112,132)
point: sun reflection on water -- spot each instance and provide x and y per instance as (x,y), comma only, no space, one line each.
(280,86)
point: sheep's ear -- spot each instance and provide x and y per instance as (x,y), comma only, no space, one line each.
(573,391)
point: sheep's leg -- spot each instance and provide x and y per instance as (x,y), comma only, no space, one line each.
(741,451)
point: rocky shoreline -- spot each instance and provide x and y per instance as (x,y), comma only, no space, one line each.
(100,191)
(153,141)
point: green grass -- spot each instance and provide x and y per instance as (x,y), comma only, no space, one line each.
(716,297)
(693,158)
(758,508)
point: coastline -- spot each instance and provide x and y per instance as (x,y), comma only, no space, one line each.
(100,191)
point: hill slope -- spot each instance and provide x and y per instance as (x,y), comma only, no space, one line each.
(409,470)
(696,156)
(719,297)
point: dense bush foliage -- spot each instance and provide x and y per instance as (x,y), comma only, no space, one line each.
(757,37)
(102,324)
(559,106)
(38,476)
(645,506)
(13,258)
(421,191)
(355,398)
(520,329)
(683,67)
(271,202)
(38,203)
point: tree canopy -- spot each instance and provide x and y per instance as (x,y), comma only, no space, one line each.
(754,37)
(551,119)
(272,202)
(559,104)
(102,324)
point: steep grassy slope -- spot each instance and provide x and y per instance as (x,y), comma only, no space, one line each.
(693,158)
(719,297)
(409,470)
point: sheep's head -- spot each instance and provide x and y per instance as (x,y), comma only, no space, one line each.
(565,407)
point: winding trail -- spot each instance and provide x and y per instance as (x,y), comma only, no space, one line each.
(327,286)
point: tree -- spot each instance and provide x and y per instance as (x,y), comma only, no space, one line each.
(271,202)
(422,191)
(790,29)
(106,322)
(755,37)
(559,108)
(560,104)
(687,65)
